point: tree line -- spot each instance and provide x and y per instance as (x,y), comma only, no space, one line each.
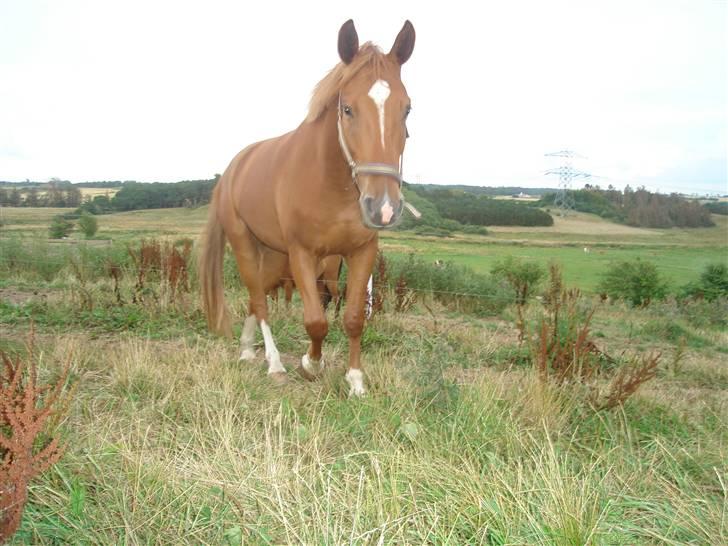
(131,195)
(451,209)
(157,195)
(639,208)
(480,210)
(51,195)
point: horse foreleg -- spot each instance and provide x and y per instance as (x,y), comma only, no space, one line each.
(359,267)
(303,267)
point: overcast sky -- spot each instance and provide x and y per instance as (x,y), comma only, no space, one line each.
(163,91)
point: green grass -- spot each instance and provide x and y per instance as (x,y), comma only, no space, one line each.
(679,265)
(171,440)
(170,437)
(680,254)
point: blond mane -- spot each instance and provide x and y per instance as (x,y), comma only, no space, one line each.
(369,56)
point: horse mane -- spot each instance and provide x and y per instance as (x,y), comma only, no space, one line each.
(369,56)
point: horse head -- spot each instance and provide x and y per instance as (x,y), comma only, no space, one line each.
(371,122)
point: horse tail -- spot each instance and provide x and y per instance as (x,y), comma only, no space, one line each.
(210,272)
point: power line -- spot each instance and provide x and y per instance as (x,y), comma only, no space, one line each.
(563,201)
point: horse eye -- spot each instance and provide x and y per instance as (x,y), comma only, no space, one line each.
(407,110)
(347,110)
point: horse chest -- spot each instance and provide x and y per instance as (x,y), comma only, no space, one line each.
(326,234)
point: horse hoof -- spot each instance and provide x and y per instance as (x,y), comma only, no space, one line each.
(357,393)
(247,355)
(278,378)
(355,379)
(310,369)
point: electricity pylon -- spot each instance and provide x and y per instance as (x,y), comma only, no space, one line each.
(563,201)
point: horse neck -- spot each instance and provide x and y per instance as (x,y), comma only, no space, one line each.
(321,139)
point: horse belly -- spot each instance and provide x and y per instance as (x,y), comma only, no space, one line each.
(254,200)
(259,214)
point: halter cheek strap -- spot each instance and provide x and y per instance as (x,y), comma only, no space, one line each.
(381,169)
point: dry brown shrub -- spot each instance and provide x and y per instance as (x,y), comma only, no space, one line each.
(175,266)
(115,272)
(404,297)
(563,353)
(147,260)
(25,410)
(627,380)
(163,263)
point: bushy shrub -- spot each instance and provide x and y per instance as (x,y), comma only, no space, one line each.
(454,286)
(521,275)
(88,224)
(60,227)
(474,230)
(636,281)
(713,283)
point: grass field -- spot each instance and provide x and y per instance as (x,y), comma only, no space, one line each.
(170,440)
(680,254)
(93,192)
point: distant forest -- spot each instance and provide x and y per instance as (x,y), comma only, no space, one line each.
(640,208)
(131,195)
(475,209)
(717,207)
(496,191)
(48,194)
(445,208)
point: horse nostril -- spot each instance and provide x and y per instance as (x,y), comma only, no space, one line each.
(369,204)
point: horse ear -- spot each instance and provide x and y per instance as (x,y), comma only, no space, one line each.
(404,43)
(348,41)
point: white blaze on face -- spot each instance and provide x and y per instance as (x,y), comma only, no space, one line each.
(387,212)
(379,93)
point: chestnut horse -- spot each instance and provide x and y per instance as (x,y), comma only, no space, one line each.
(325,188)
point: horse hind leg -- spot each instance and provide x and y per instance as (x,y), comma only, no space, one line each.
(260,268)
(303,267)
(272,264)
(247,338)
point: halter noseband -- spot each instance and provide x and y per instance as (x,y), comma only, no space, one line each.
(377,169)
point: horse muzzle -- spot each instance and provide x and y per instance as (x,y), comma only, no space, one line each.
(380,213)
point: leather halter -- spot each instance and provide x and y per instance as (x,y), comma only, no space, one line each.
(376,169)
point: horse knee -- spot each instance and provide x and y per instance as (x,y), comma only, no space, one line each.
(317,327)
(354,324)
